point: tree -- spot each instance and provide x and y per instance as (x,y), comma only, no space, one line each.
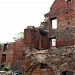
(18,36)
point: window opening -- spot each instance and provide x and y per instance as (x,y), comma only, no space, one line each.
(68,0)
(0,47)
(5,47)
(53,41)
(53,23)
(67,73)
(3,57)
(43,66)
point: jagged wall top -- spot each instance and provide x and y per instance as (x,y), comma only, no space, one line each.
(60,7)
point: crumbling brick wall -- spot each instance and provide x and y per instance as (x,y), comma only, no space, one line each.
(6,56)
(31,38)
(18,47)
(36,38)
(62,58)
(17,55)
(64,12)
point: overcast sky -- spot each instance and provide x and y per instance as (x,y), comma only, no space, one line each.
(16,15)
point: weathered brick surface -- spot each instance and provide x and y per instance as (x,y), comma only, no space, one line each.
(12,54)
(17,56)
(58,10)
(61,58)
(18,47)
(8,53)
(36,38)
(36,48)
(65,21)
(58,59)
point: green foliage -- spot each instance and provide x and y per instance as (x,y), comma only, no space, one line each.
(18,36)
(7,68)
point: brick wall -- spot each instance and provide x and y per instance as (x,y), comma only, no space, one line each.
(18,47)
(36,38)
(65,14)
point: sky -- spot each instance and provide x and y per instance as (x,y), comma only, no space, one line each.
(16,15)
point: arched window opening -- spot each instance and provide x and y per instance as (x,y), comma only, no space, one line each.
(43,66)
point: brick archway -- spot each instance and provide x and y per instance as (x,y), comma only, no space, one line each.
(42,69)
